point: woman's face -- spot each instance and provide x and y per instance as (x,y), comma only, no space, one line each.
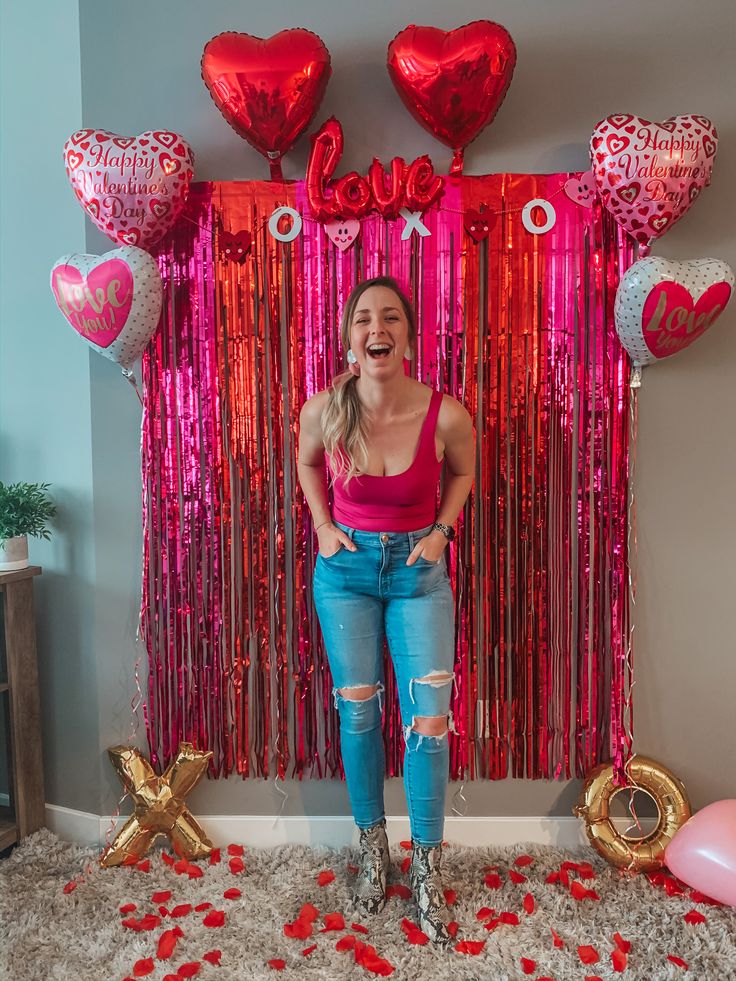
(379,332)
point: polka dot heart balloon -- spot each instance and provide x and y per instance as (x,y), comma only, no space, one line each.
(113,301)
(132,187)
(662,306)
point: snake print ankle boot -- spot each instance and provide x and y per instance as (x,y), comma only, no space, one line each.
(426,885)
(369,895)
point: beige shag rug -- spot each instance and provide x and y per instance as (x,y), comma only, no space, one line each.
(605,925)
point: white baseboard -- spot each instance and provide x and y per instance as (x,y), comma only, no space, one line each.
(263,831)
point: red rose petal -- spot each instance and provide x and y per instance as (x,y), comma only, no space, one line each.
(215,918)
(485,913)
(235,850)
(215,856)
(70,887)
(236,865)
(528,903)
(333,921)
(325,877)
(213,957)
(165,857)
(351,868)
(345,943)
(181,866)
(161,897)
(700,897)
(523,860)
(619,959)
(405,863)
(406,845)
(144,866)
(511,918)
(308,950)
(194,871)
(143,967)
(189,970)
(493,880)
(552,878)
(201,907)
(588,954)
(678,961)
(417,937)
(452,928)
(181,910)
(130,860)
(147,922)
(624,945)
(358,927)
(490,868)
(277,964)
(470,946)
(128,908)
(450,896)
(592,977)
(492,923)
(166,945)
(300,929)
(528,966)
(579,892)
(694,916)
(232,894)
(398,889)
(308,913)
(517,877)
(557,940)
(171,977)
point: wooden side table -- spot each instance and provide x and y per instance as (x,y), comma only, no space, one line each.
(20,708)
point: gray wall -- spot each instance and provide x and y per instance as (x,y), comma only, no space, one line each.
(577,62)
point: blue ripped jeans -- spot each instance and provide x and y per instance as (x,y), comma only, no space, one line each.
(362,597)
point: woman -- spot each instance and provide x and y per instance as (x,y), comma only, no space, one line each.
(381,572)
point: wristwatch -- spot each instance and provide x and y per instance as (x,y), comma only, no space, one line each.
(446,530)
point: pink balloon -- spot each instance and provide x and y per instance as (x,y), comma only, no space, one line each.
(703,852)
(649,174)
(132,187)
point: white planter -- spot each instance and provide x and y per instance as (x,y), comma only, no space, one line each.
(14,554)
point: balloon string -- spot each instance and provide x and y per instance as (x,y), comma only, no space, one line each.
(459,795)
(285,797)
(132,379)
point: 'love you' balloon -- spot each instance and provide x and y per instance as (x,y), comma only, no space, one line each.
(268,89)
(662,306)
(453,82)
(132,187)
(649,174)
(113,301)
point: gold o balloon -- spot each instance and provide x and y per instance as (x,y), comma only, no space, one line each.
(624,851)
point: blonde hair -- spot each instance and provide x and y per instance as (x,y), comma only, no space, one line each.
(343,426)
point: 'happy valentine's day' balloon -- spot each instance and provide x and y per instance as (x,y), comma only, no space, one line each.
(662,306)
(453,82)
(649,174)
(113,301)
(268,89)
(132,187)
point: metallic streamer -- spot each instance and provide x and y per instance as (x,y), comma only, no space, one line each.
(519,327)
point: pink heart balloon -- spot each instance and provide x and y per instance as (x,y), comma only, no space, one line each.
(132,187)
(343,233)
(112,301)
(649,174)
(703,851)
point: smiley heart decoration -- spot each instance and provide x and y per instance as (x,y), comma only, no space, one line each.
(113,301)
(662,306)
(649,174)
(132,187)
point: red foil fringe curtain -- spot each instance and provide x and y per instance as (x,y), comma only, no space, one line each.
(519,327)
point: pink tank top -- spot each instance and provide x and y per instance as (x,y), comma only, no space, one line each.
(402,502)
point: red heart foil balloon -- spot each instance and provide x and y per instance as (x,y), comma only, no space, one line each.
(132,187)
(453,82)
(649,174)
(268,89)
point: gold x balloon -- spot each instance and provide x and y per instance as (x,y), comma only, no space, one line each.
(159,805)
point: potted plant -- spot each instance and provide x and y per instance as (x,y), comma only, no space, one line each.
(24,510)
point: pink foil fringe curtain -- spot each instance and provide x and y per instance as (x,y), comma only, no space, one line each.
(518,327)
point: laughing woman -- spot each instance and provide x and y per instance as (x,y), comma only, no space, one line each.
(381,572)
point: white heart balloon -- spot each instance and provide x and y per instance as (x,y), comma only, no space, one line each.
(663,305)
(113,301)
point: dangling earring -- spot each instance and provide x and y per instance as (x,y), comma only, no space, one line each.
(353,363)
(408,354)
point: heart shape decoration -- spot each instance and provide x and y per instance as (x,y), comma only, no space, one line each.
(453,82)
(132,187)
(648,174)
(113,301)
(478,224)
(268,89)
(581,189)
(235,246)
(343,233)
(703,851)
(662,306)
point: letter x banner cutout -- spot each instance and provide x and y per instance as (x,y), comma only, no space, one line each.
(514,284)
